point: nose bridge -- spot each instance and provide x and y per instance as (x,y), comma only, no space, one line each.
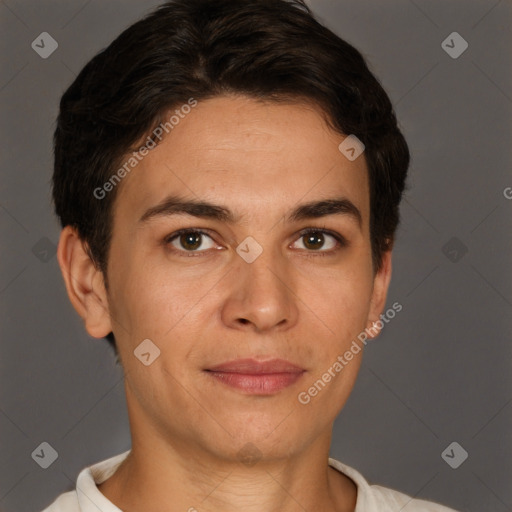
(262,291)
(267,270)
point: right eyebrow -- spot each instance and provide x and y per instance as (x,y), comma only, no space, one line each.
(174,205)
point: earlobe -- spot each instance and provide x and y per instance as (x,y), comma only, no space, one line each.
(84,283)
(380,291)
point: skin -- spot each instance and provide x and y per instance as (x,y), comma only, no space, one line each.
(260,160)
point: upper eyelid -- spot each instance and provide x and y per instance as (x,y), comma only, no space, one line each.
(179,232)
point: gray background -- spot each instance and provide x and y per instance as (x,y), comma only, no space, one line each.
(440,371)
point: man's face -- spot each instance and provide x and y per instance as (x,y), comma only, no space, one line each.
(304,299)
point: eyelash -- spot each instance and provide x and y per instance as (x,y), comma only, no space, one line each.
(342,242)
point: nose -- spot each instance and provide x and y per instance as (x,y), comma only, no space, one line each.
(262,296)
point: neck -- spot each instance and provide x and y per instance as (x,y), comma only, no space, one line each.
(175,468)
(150,477)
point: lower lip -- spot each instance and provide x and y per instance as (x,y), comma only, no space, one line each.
(257,384)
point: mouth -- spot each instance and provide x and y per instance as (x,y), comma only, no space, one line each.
(256,377)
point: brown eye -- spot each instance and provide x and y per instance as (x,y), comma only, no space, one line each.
(188,240)
(314,240)
(319,240)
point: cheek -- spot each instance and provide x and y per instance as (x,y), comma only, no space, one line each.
(343,302)
(163,303)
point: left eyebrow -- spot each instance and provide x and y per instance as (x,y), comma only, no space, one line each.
(174,205)
(323,208)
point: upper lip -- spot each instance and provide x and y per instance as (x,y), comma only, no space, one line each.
(252,366)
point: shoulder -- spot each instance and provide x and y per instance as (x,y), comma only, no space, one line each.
(86,495)
(375,498)
(66,502)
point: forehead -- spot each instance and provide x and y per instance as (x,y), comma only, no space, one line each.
(260,158)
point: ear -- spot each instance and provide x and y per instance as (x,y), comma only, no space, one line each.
(84,283)
(379,293)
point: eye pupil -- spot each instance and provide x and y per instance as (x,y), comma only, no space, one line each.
(311,241)
(193,238)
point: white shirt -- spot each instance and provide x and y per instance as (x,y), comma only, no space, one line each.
(370,498)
